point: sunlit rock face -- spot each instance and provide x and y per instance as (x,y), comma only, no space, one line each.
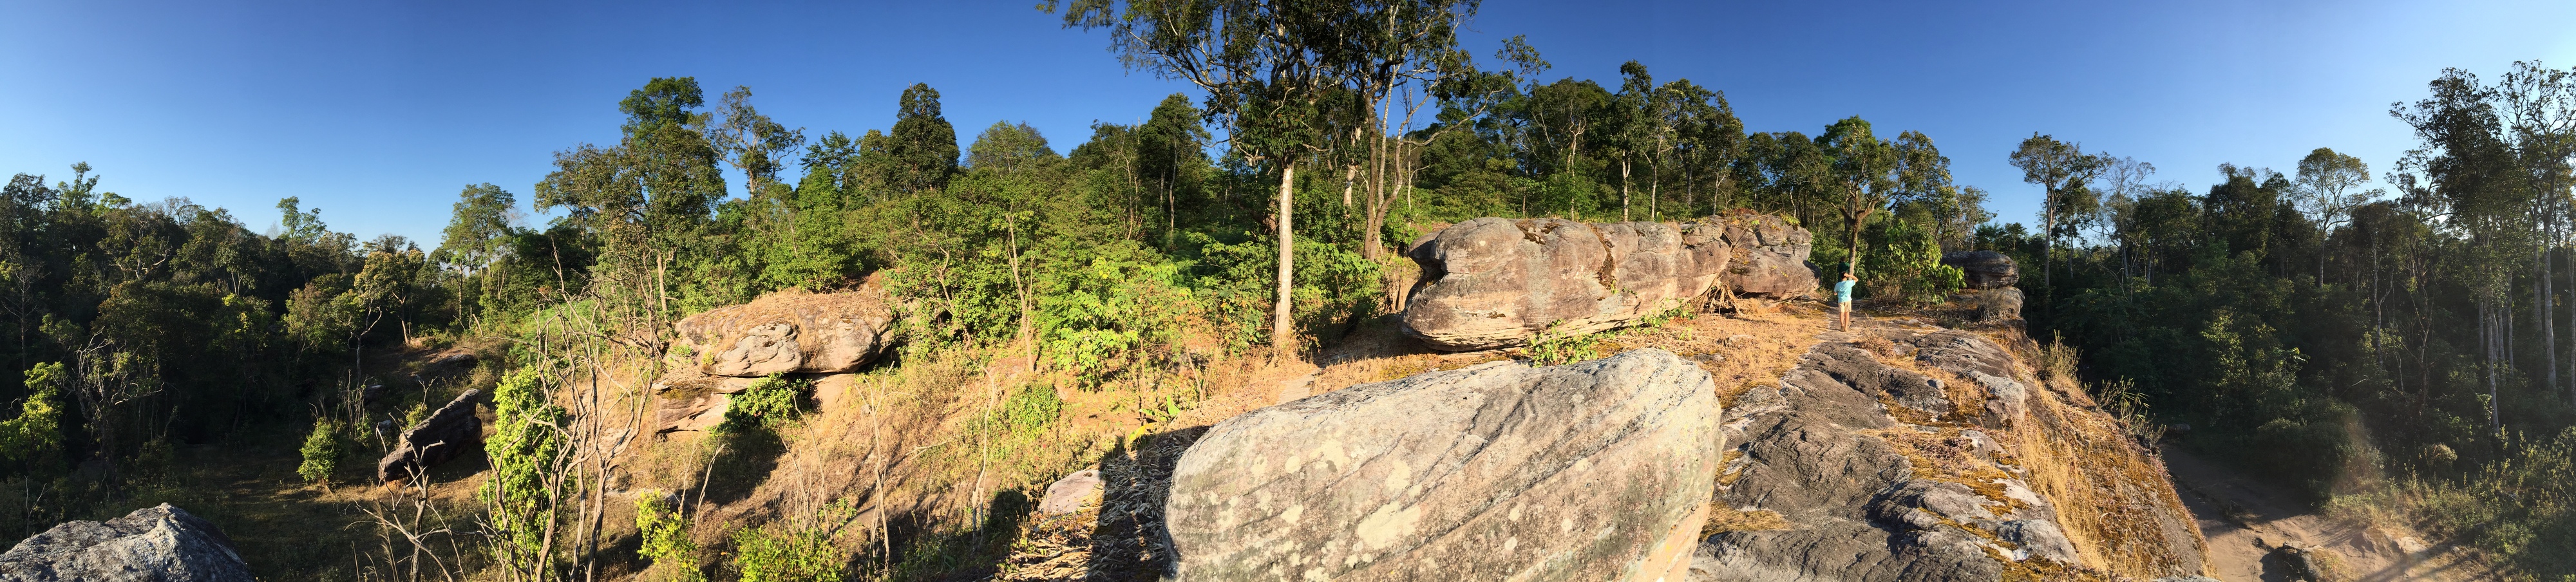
(1584,472)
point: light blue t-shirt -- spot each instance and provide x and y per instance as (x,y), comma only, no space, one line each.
(1842,290)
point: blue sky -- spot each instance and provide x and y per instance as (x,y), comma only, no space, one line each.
(378,112)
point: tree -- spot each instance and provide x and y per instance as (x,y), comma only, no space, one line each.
(482,216)
(2061,169)
(2538,105)
(2329,188)
(1269,68)
(921,153)
(1863,169)
(751,142)
(647,200)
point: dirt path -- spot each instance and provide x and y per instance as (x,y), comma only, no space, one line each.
(2245,520)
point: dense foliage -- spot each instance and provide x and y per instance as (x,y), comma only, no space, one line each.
(2347,339)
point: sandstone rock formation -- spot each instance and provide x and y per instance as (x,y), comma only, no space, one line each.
(785,332)
(447,433)
(724,350)
(1931,457)
(1770,256)
(1999,305)
(1585,472)
(1985,269)
(154,544)
(1491,282)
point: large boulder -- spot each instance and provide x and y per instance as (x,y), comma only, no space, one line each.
(1491,282)
(449,432)
(785,332)
(1585,472)
(1770,256)
(1985,269)
(154,544)
(1926,470)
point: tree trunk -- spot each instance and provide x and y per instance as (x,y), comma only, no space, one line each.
(2540,310)
(1623,189)
(1283,333)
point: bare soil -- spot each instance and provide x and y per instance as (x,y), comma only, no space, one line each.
(2247,520)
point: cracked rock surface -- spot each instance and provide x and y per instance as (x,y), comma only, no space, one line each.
(1584,472)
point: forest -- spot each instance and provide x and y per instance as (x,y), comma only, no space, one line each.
(2383,335)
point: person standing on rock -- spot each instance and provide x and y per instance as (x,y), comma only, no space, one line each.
(1842,294)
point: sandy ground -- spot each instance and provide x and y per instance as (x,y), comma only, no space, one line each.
(2245,520)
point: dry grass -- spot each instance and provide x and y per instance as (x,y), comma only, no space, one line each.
(1722,520)
(2084,460)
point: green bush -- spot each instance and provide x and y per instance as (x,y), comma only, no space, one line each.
(788,554)
(1553,347)
(321,453)
(528,450)
(665,538)
(766,403)
(1110,316)
(35,437)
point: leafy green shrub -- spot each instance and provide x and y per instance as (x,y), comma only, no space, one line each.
(527,450)
(785,553)
(1903,261)
(35,437)
(767,402)
(1553,347)
(1030,409)
(665,534)
(1108,316)
(321,453)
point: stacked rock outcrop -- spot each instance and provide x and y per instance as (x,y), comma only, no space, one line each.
(1984,269)
(153,544)
(1585,472)
(1491,282)
(722,351)
(1771,256)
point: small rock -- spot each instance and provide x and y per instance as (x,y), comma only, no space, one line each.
(1068,494)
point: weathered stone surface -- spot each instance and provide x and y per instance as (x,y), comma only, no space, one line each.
(1999,305)
(785,332)
(447,433)
(1491,282)
(1985,269)
(691,413)
(1770,256)
(1835,448)
(154,544)
(1584,472)
(1067,494)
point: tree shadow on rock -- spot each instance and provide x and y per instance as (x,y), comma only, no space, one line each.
(1130,541)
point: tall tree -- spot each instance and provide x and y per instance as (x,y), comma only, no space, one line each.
(752,143)
(1864,173)
(1269,68)
(2061,169)
(2329,188)
(2539,109)
(475,229)
(921,152)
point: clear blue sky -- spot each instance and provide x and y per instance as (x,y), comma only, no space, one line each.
(379,112)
